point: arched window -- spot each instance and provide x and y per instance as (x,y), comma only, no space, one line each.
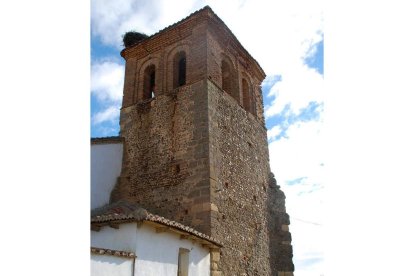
(180,69)
(228,79)
(149,82)
(225,77)
(246,96)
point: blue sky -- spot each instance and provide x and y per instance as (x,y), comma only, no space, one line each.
(289,45)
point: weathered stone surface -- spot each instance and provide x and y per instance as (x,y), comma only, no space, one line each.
(215,256)
(285,227)
(242,170)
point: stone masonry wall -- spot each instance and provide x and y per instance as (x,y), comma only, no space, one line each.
(239,171)
(166,156)
(195,156)
(280,247)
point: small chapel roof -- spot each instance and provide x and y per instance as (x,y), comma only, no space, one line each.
(124,212)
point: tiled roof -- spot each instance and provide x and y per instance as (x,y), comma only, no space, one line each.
(103,251)
(122,212)
(191,15)
(106,140)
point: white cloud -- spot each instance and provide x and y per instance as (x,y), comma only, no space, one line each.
(111,19)
(274,132)
(308,255)
(107,79)
(301,156)
(299,86)
(275,33)
(109,114)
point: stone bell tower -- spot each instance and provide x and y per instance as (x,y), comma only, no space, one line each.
(195,147)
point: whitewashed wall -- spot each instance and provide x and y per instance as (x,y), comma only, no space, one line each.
(107,265)
(157,253)
(106,162)
(124,238)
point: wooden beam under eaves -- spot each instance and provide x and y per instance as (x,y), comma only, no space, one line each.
(161,229)
(114,225)
(95,227)
(184,236)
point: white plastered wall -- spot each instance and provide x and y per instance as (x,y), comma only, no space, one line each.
(157,253)
(107,265)
(106,163)
(123,239)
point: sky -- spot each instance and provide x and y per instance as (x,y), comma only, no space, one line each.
(288,42)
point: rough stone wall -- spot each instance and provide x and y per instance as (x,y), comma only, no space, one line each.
(280,247)
(239,171)
(251,217)
(165,165)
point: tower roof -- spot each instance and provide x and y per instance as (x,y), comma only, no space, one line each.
(207,13)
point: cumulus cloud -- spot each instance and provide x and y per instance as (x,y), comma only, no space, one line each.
(111,19)
(110,114)
(107,81)
(301,150)
(276,33)
(299,86)
(274,132)
(107,85)
(298,163)
(307,229)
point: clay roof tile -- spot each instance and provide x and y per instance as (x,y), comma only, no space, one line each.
(123,211)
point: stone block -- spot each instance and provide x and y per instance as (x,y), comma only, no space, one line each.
(214,266)
(215,256)
(285,227)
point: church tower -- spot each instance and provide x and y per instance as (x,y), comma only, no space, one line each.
(195,143)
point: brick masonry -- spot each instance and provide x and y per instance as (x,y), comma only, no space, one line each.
(197,154)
